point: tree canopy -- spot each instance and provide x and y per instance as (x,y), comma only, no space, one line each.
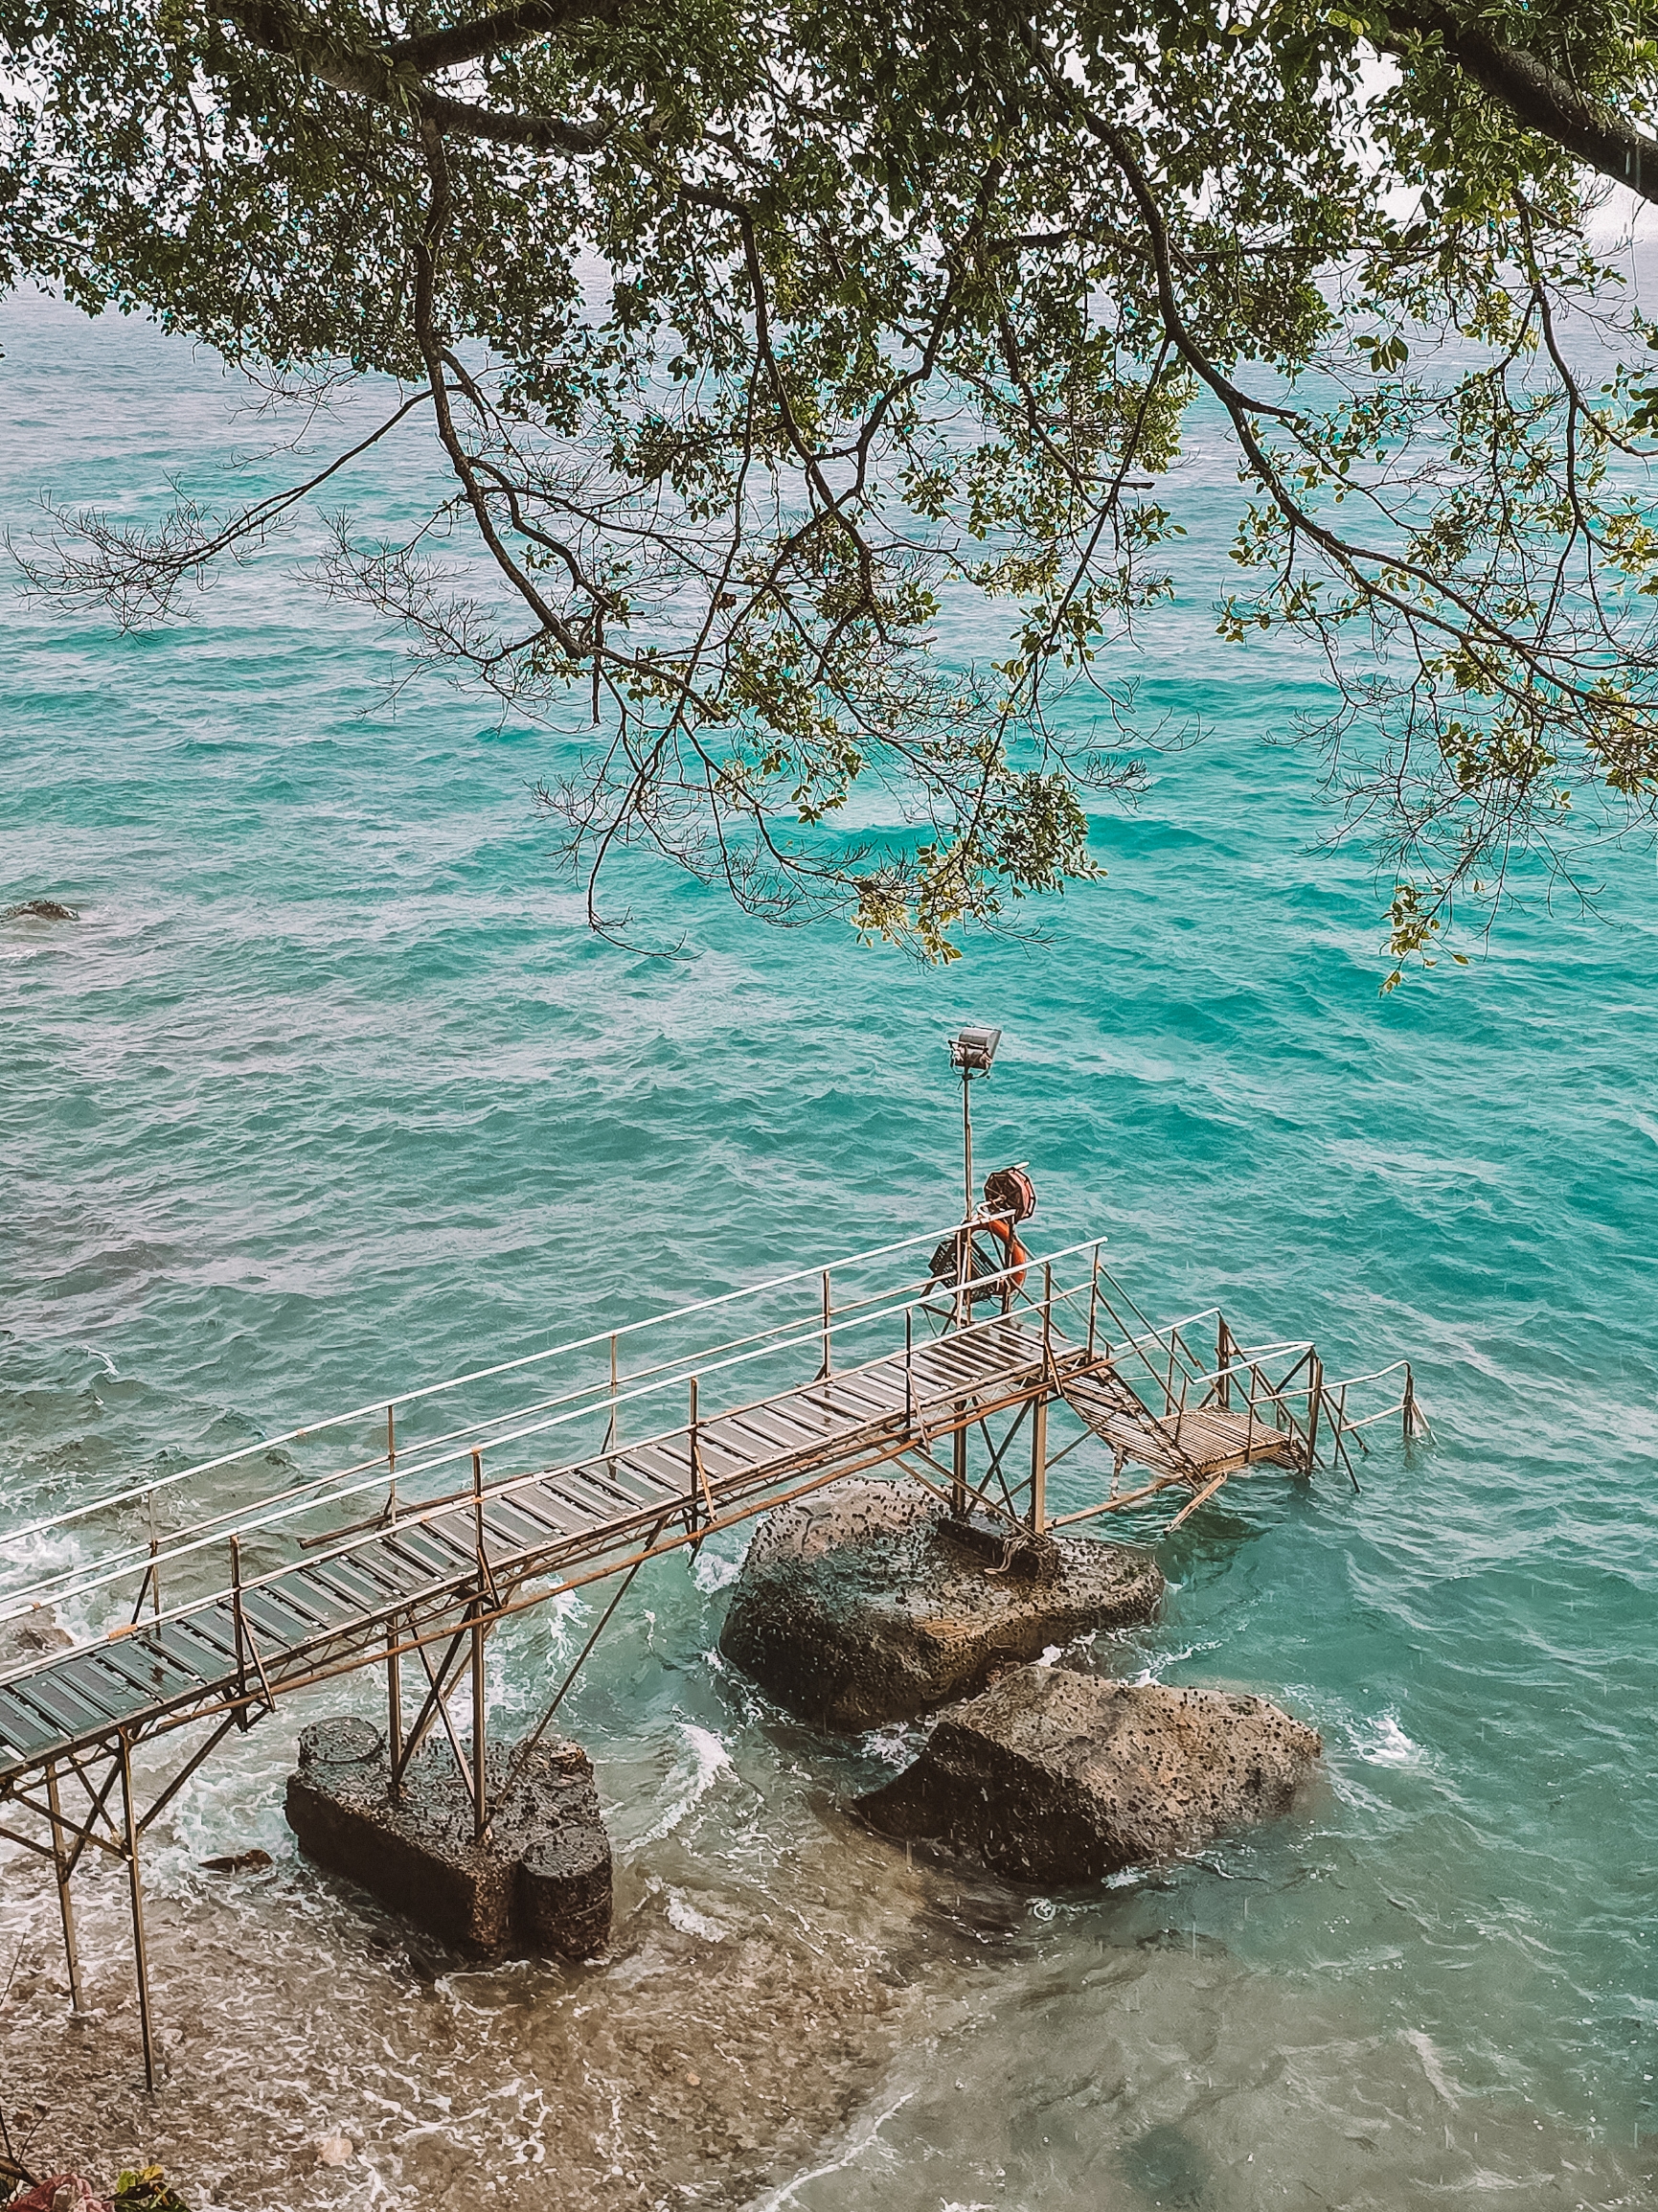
(756,335)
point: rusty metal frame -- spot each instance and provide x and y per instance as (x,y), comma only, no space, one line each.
(445,1626)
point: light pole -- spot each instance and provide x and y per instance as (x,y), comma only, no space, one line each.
(971,1054)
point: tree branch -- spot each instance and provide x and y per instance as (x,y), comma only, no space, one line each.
(1534,94)
(494,32)
(275,28)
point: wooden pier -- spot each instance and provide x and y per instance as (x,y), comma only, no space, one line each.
(407,1551)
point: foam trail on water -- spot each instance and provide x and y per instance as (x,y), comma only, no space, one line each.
(693,1779)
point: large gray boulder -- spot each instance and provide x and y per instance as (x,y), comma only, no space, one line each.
(539,1882)
(869,1602)
(1057,1776)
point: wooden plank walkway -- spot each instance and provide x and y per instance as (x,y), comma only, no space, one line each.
(439,1569)
(1193,1443)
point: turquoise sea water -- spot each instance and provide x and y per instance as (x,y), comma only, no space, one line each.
(329,1088)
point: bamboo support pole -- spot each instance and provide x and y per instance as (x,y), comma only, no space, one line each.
(1202,1499)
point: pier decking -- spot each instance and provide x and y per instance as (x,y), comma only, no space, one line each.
(406,1555)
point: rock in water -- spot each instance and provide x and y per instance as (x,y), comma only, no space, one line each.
(1055,1776)
(30,1636)
(40,910)
(867,1601)
(542,1880)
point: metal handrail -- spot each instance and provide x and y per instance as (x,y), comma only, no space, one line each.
(268,1515)
(432,1510)
(378,1406)
(419,1453)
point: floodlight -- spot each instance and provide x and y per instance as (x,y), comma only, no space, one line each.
(970,1054)
(973,1051)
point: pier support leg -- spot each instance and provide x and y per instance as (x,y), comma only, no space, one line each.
(959,1469)
(136,1885)
(1315,1403)
(61,1866)
(480,1777)
(394,1707)
(1039,1465)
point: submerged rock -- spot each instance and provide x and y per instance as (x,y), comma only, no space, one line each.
(541,1882)
(30,1637)
(40,910)
(1055,1776)
(238,1862)
(867,1601)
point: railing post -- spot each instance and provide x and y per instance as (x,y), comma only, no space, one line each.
(1093,1302)
(242,1721)
(698,1479)
(1222,1363)
(610,1427)
(478,1520)
(1408,1405)
(909,1372)
(392,1466)
(827,1366)
(61,1866)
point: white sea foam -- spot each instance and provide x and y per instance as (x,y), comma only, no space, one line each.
(710,1572)
(683,1915)
(692,1778)
(1432,2065)
(1383,1743)
(862,2139)
(894,1746)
